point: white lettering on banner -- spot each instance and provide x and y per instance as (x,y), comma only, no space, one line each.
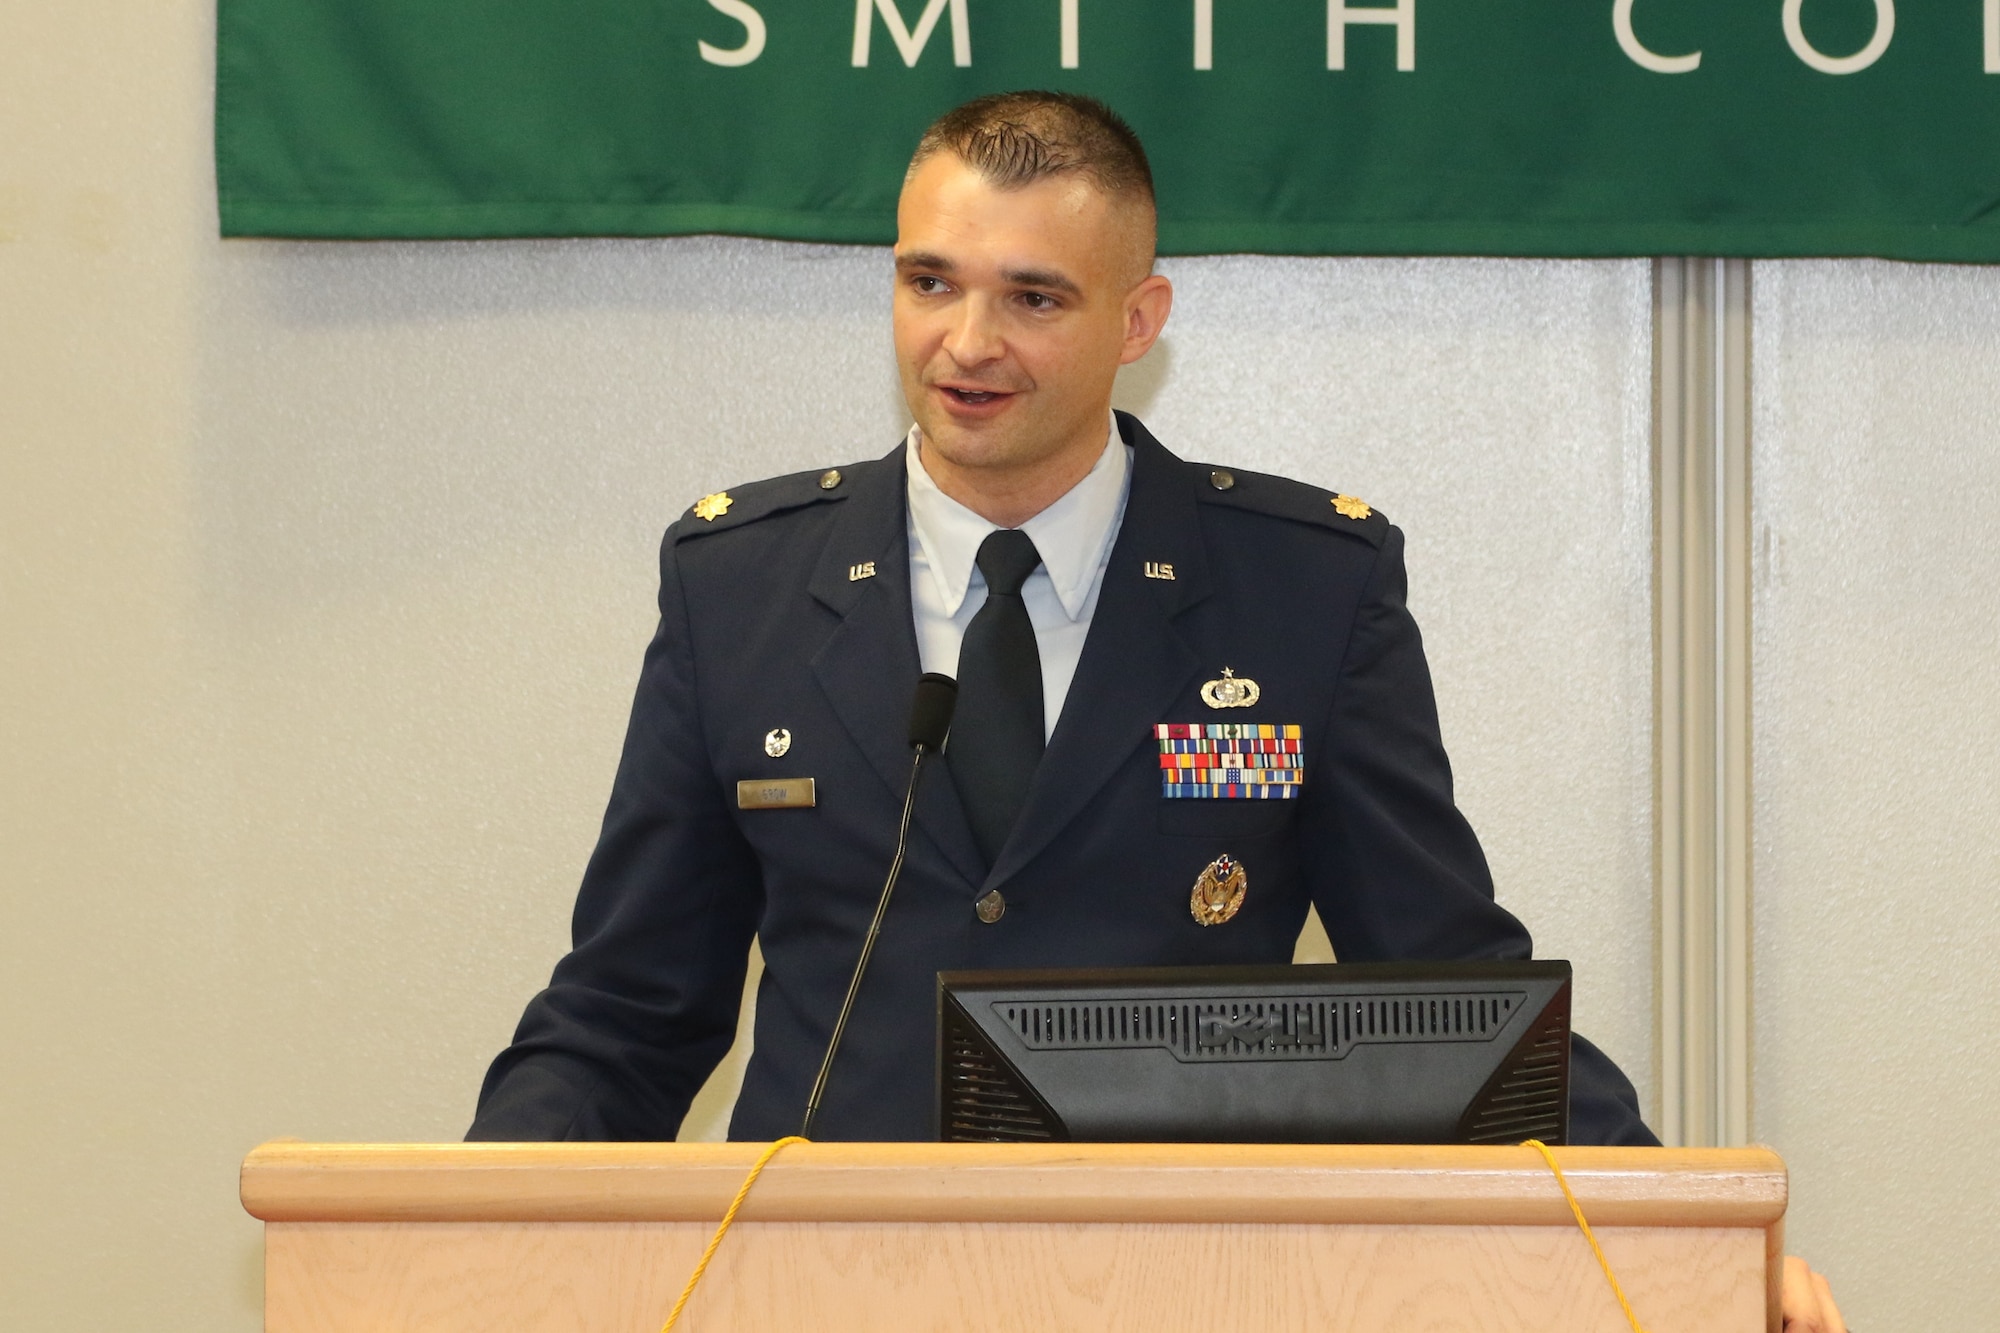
(1629,43)
(1402,14)
(909,44)
(753,35)
(1885,29)
(1339,14)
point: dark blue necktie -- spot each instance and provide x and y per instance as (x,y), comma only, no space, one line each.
(997,734)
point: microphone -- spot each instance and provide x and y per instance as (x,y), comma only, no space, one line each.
(930,723)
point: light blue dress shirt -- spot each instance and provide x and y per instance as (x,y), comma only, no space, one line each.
(1074,536)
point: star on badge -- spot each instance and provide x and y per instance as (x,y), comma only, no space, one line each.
(1348,506)
(711,507)
(1232,691)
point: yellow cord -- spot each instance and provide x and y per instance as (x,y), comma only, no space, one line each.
(734,1204)
(764,1160)
(1576,1210)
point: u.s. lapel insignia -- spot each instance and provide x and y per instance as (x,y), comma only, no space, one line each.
(711,507)
(1218,893)
(1349,507)
(777,741)
(1232,691)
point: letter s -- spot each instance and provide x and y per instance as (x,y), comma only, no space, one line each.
(753,35)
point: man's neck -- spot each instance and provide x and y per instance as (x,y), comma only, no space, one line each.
(1010,497)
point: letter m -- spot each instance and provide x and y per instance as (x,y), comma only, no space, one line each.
(909,44)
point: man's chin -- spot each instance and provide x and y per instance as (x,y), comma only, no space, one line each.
(967,443)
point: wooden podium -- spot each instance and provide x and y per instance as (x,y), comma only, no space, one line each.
(599,1238)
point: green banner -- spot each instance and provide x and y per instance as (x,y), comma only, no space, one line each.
(1511,127)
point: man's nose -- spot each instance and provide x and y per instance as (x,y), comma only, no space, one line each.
(974,336)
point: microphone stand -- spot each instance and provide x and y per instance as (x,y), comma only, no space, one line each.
(934,692)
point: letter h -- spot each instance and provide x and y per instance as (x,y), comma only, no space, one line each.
(1339,14)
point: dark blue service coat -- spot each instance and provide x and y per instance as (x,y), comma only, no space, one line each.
(769,619)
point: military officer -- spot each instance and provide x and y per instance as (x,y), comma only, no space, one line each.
(1103,603)
(1192,703)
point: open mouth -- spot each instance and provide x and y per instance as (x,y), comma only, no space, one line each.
(974,397)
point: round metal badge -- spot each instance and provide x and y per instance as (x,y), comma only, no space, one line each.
(1218,893)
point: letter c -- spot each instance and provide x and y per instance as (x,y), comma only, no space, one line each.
(753,35)
(1629,43)
(1885,29)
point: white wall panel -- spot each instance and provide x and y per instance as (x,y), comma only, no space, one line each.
(1877,628)
(382,423)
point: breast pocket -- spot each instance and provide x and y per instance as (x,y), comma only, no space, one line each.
(1211,818)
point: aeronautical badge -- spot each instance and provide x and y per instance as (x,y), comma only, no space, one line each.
(711,507)
(1349,507)
(1218,893)
(1231,761)
(1232,691)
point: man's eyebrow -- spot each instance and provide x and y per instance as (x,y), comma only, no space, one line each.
(1041,277)
(924,259)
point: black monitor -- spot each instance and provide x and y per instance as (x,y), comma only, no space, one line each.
(1313,1053)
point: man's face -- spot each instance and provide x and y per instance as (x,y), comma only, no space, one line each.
(1013,311)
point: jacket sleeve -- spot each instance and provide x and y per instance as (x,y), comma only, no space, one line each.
(644,1006)
(1396,871)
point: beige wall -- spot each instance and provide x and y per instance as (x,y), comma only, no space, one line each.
(1877,669)
(324,572)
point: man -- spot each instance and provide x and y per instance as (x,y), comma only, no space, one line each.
(1087,588)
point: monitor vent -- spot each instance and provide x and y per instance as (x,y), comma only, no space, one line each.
(1251,1029)
(981,1100)
(1526,1098)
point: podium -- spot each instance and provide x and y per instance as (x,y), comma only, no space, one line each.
(599,1238)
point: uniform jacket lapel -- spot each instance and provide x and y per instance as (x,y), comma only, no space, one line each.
(1135,661)
(868,665)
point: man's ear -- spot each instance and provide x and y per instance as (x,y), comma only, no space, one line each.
(1146,308)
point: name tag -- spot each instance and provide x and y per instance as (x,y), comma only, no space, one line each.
(1230,761)
(776,794)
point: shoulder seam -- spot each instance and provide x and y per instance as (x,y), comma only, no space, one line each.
(1297,501)
(740,506)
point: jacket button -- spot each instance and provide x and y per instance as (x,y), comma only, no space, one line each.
(991,906)
(829,479)
(1222,479)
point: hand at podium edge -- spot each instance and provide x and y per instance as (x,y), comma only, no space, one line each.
(1808,1300)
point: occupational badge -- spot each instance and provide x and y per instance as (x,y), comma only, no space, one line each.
(1349,507)
(711,507)
(776,741)
(1232,691)
(1218,893)
(1231,761)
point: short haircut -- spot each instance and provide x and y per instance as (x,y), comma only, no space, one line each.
(1016,139)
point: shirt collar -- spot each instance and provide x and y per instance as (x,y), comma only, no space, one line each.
(1072,534)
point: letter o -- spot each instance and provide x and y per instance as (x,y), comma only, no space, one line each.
(1885,29)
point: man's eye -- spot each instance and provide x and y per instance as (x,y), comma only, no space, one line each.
(927,285)
(1038,300)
